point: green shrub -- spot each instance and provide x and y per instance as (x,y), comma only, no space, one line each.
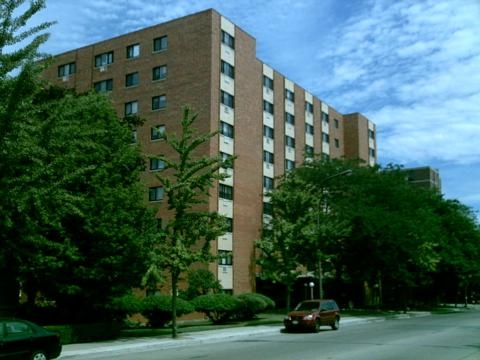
(217,307)
(125,305)
(270,303)
(158,309)
(252,304)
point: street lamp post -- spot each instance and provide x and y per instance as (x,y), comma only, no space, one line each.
(319,203)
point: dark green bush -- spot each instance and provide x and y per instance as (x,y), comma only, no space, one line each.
(269,302)
(158,309)
(253,304)
(125,305)
(217,307)
(82,333)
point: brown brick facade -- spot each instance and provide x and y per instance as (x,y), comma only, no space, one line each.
(193,60)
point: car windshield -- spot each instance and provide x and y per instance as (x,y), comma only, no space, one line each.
(308,306)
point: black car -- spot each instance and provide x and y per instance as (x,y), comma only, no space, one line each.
(22,339)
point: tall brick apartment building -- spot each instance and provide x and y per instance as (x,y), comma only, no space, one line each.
(266,120)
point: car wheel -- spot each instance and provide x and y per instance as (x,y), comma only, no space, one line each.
(336,324)
(39,355)
(317,326)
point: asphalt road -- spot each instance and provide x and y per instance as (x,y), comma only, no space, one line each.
(440,337)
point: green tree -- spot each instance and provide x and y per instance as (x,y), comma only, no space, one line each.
(459,270)
(378,237)
(285,234)
(394,237)
(16,99)
(85,228)
(304,226)
(201,282)
(187,179)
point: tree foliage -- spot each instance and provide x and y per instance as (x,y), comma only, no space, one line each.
(187,179)
(75,220)
(73,226)
(15,103)
(283,236)
(381,239)
(201,282)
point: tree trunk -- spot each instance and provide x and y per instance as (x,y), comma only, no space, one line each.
(174,303)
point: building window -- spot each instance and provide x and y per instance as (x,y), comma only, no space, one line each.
(308,107)
(66,69)
(267,82)
(325,117)
(225,192)
(289,95)
(309,129)
(267,183)
(336,123)
(309,151)
(228,39)
(289,141)
(132,79)
(227,99)
(325,156)
(225,257)
(104,59)
(227,69)
(155,193)
(226,129)
(268,157)
(134,137)
(371,152)
(227,160)
(267,208)
(133,51)
(103,86)
(156,164)
(289,118)
(289,165)
(159,102)
(268,107)
(131,108)
(371,134)
(160,43)
(325,138)
(337,143)
(159,72)
(157,132)
(268,132)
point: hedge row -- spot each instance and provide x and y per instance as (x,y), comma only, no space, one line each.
(222,307)
(217,307)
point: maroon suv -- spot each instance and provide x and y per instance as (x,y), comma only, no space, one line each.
(311,314)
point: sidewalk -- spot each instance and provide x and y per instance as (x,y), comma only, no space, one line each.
(211,336)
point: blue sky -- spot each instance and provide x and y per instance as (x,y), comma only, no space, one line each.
(411,66)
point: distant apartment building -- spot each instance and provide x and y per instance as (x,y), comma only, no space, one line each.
(269,122)
(424,176)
